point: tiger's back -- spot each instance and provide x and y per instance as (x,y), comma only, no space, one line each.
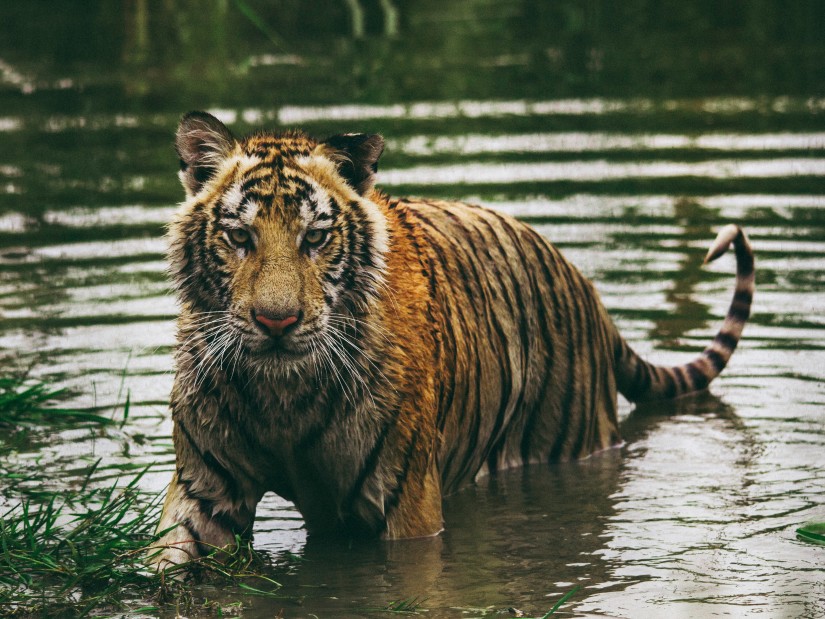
(527,349)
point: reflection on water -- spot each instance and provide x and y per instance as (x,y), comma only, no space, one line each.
(627,151)
(509,537)
(601,170)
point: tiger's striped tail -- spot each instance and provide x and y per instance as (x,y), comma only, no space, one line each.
(638,380)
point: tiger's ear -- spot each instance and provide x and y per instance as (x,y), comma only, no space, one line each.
(202,141)
(356,155)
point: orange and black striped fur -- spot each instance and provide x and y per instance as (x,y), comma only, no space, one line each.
(363,356)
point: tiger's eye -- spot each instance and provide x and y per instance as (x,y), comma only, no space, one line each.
(314,238)
(238,236)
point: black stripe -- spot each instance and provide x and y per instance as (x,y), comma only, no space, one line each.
(226,521)
(349,274)
(453,329)
(744,259)
(669,380)
(365,253)
(743,295)
(700,381)
(446,392)
(544,323)
(591,345)
(216,209)
(471,336)
(230,484)
(391,501)
(726,341)
(476,241)
(203,549)
(370,463)
(207,508)
(188,437)
(741,304)
(475,456)
(745,269)
(542,253)
(608,391)
(679,373)
(739,312)
(471,461)
(334,206)
(250,186)
(336,258)
(517,309)
(599,355)
(570,387)
(716,360)
(585,344)
(210,265)
(243,207)
(640,383)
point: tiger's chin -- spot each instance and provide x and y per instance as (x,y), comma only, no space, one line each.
(278,351)
(273,367)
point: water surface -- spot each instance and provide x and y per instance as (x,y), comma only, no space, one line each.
(628,136)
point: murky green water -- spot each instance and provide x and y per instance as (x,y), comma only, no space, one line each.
(627,133)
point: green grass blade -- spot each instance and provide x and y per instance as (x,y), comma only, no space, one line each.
(563,599)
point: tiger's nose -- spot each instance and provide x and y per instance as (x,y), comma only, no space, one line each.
(276,326)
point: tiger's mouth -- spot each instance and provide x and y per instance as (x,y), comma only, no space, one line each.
(290,347)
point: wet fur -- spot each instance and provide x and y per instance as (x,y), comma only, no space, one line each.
(454,341)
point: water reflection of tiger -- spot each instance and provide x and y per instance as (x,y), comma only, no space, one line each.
(362,356)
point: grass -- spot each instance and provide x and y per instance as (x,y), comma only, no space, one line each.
(514,612)
(406,606)
(25,403)
(561,602)
(58,560)
(64,556)
(82,552)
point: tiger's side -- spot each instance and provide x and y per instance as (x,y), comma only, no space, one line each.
(364,356)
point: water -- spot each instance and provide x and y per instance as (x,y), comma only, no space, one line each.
(627,136)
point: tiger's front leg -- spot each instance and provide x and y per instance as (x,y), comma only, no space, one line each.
(204,509)
(190,531)
(416,510)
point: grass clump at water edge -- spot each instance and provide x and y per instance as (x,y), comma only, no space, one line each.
(82,552)
(27,403)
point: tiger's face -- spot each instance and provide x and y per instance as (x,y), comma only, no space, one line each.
(276,245)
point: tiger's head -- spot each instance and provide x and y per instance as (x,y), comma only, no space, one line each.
(278,241)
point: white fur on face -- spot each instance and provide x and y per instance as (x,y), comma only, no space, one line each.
(250,213)
(232,198)
(318,203)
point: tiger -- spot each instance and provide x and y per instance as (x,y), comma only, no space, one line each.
(363,356)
